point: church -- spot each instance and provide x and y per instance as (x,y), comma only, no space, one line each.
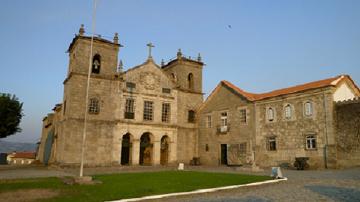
(156,115)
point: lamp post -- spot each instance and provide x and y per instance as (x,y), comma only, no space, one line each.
(87,92)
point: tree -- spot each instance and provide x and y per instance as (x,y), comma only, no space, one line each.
(10,115)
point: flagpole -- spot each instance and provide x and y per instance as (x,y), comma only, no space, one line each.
(87,91)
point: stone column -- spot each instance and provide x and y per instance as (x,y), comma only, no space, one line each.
(135,152)
(156,153)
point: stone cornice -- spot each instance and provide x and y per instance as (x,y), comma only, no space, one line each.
(121,121)
(93,76)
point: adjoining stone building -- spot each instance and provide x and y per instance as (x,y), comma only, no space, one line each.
(151,115)
(274,128)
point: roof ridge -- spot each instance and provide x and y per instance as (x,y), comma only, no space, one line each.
(332,81)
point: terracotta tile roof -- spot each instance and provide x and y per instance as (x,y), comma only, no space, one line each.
(294,89)
(247,95)
(25,155)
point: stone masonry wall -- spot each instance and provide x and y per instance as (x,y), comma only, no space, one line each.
(238,132)
(291,133)
(348,133)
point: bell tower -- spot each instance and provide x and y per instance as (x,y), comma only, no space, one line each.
(103,68)
(104,58)
(186,72)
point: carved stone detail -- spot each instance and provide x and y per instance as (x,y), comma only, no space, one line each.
(149,80)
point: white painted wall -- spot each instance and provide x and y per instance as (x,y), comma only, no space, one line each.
(343,93)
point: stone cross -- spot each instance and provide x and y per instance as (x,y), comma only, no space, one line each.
(150,45)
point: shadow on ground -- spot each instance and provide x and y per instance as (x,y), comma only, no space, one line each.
(336,193)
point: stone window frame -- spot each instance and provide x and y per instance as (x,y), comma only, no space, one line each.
(94,105)
(246,115)
(221,118)
(267,114)
(129,109)
(312,109)
(269,140)
(312,136)
(190,80)
(191,116)
(292,112)
(148,111)
(166,113)
(166,90)
(96,58)
(130,86)
(243,148)
(208,121)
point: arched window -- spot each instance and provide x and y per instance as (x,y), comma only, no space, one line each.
(308,108)
(94,106)
(191,81)
(96,64)
(270,114)
(288,111)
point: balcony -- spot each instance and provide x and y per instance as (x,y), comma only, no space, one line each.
(222,129)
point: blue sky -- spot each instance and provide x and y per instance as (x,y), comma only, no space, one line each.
(270,45)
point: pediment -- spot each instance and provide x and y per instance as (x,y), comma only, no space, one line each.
(149,77)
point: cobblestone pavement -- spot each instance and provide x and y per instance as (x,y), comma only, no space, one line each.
(323,185)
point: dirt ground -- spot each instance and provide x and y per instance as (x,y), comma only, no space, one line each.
(27,195)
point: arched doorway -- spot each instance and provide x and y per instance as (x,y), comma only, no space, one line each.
(126,149)
(164,150)
(146,149)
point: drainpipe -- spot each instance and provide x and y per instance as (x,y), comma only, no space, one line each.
(326,131)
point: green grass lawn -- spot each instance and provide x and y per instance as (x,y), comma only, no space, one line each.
(130,185)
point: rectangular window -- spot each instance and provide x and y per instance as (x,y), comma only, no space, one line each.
(224,119)
(166,90)
(94,107)
(272,144)
(130,86)
(311,142)
(129,109)
(208,121)
(242,148)
(148,110)
(242,115)
(165,115)
(191,116)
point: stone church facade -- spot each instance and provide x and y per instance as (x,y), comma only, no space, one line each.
(145,115)
(152,115)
